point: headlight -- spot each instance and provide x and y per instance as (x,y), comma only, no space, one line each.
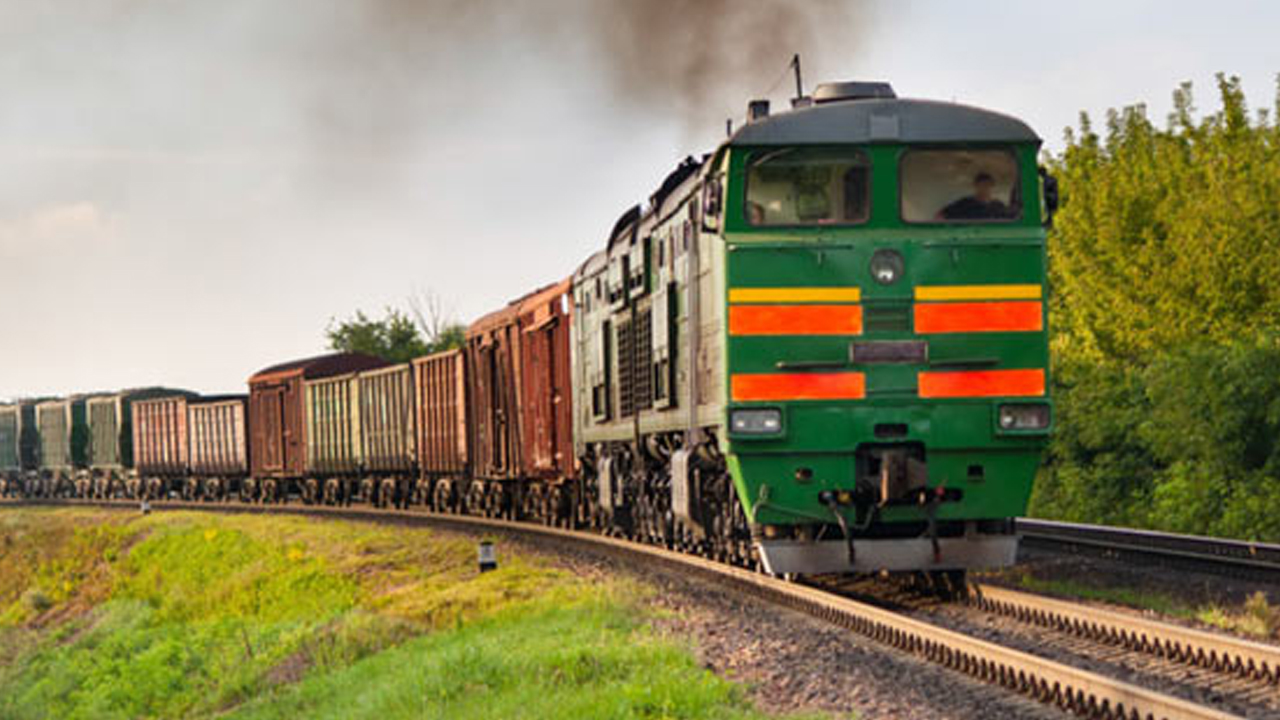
(886,266)
(1024,417)
(756,421)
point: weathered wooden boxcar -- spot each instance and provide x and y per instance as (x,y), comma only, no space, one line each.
(278,412)
(160,436)
(333,426)
(494,390)
(62,435)
(520,399)
(546,373)
(440,381)
(218,433)
(387,421)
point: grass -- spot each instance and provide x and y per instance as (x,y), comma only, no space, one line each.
(1256,617)
(107,615)
(585,657)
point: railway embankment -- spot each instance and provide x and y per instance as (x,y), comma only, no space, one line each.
(113,614)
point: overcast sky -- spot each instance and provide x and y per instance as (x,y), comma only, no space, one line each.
(192,189)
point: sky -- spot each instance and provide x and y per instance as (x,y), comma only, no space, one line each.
(194,190)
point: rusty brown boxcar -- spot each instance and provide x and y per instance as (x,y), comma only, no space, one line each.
(277,410)
(218,432)
(546,407)
(160,447)
(440,381)
(493,346)
(387,422)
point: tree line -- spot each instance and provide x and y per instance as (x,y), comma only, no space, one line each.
(1164,265)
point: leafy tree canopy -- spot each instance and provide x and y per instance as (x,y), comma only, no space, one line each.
(397,336)
(1164,266)
(1167,236)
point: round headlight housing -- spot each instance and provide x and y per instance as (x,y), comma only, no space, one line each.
(886,266)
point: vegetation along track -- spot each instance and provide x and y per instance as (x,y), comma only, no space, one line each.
(1075,690)
(1236,558)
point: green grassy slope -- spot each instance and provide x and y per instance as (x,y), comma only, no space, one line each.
(109,615)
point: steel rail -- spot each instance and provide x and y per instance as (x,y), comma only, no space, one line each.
(1253,557)
(1214,651)
(1072,689)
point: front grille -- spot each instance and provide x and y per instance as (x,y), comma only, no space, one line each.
(887,318)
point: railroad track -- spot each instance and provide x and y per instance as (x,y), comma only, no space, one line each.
(1209,662)
(1075,690)
(1231,557)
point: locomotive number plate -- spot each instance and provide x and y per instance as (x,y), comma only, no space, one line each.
(889,351)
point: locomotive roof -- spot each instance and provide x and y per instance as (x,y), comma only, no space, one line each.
(884,121)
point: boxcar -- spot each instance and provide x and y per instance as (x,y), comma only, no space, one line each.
(546,408)
(62,435)
(278,416)
(11,424)
(160,437)
(521,400)
(218,436)
(493,344)
(440,385)
(333,444)
(387,419)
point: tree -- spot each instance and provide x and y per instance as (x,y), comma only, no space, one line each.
(394,337)
(399,336)
(1164,308)
(439,328)
(1167,236)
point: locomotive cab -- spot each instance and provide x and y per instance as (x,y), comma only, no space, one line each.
(886,357)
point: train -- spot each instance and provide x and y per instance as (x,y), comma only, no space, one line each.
(820,348)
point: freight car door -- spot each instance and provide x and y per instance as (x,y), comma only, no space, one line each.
(271,421)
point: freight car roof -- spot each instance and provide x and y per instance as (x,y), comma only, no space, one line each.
(144,393)
(320,366)
(210,399)
(508,314)
(884,121)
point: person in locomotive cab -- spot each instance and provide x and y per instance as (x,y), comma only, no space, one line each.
(981,205)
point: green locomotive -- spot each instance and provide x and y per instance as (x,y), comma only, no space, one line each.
(824,346)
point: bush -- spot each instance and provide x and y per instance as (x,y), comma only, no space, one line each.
(1189,443)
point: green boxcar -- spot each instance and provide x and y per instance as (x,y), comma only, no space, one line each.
(63,435)
(10,438)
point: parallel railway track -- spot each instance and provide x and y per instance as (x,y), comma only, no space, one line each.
(1230,557)
(1084,693)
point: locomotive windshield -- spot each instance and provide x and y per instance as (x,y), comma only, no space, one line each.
(808,186)
(960,186)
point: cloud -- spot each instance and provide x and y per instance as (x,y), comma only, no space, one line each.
(57,228)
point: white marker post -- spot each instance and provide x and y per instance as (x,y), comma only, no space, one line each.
(488,556)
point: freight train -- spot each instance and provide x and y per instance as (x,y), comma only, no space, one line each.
(820,348)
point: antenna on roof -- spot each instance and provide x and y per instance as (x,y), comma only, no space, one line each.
(795,65)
